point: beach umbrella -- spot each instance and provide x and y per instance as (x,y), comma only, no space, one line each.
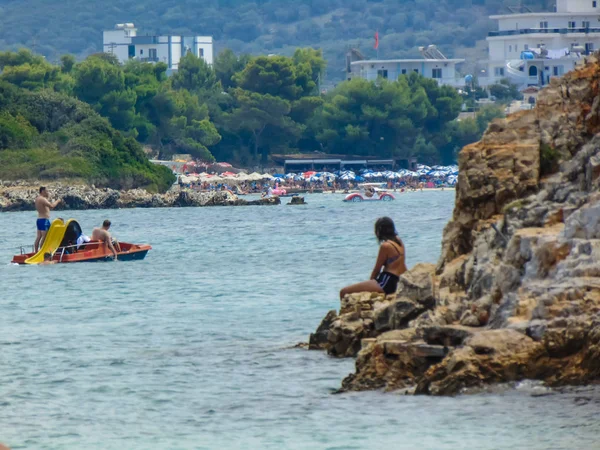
(348,177)
(267,176)
(279,175)
(358,178)
(255,176)
(309,174)
(290,175)
(437,174)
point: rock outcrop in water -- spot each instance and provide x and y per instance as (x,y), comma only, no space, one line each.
(516,293)
(19,196)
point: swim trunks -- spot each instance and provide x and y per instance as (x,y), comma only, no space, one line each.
(43,224)
(388,282)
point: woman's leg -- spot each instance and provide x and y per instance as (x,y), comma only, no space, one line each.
(364,286)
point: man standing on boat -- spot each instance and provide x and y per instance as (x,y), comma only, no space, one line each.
(43,207)
(102,234)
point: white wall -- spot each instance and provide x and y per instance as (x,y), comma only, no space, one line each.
(576,6)
(511,47)
(554,21)
(206,44)
(175,51)
(142,51)
(369,70)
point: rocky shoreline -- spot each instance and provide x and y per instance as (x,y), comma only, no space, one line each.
(19,196)
(516,292)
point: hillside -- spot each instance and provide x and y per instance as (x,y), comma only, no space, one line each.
(260,26)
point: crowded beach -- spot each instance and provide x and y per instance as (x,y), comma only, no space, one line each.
(241,183)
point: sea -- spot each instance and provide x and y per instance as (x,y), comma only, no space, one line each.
(194,347)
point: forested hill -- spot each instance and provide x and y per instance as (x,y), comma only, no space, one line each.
(258,26)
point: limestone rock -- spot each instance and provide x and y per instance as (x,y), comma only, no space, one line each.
(516,292)
(19,196)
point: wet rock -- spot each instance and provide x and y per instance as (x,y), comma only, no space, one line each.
(319,339)
(297,200)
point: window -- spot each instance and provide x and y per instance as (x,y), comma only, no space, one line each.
(526,47)
(152,55)
(499,71)
(382,73)
(571,24)
(585,24)
(201,52)
(589,47)
(558,71)
(510,48)
(436,73)
(403,71)
(594,4)
(131,51)
(416,70)
(141,51)
(516,48)
(544,24)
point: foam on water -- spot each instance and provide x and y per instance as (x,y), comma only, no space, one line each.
(190,348)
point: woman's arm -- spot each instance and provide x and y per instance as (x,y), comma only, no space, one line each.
(379,263)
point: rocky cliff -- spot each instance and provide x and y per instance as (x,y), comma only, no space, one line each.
(516,292)
(19,196)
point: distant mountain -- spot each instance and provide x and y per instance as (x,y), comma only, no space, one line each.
(53,28)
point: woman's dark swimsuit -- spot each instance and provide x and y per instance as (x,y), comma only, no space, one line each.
(386,280)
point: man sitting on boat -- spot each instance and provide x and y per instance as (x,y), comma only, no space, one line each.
(102,234)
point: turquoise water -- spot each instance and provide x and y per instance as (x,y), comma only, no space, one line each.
(191,348)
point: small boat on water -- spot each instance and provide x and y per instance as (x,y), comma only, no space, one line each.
(61,243)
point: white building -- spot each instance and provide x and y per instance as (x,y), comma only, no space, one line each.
(125,44)
(433,65)
(529,48)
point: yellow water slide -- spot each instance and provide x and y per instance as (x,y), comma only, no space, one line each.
(53,240)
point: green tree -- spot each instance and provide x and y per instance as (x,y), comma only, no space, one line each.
(194,74)
(271,75)
(67,63)
(505,91)
(256,113)
(227,64)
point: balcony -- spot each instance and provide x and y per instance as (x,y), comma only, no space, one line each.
(149,59)
(542,31)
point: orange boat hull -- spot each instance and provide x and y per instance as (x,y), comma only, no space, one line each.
(93,251)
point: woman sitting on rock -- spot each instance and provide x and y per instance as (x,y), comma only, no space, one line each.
(390,262)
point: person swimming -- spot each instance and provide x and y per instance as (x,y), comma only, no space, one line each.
(390,262)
